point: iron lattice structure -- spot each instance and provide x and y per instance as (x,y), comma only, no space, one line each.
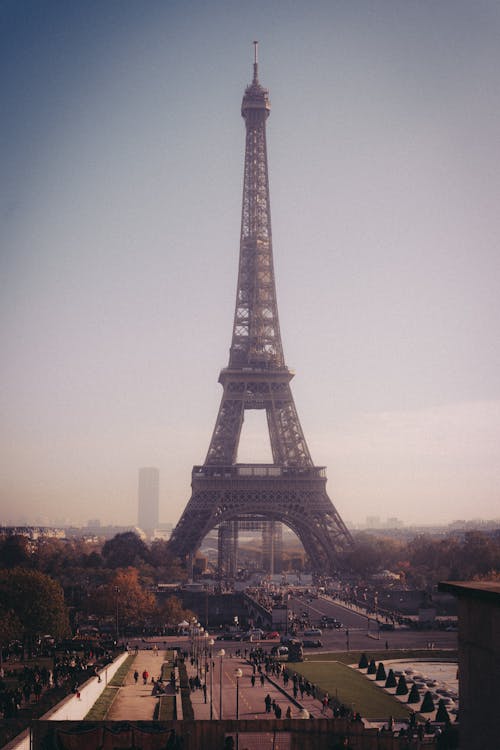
(291,490)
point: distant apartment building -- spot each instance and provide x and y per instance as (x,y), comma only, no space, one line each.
(148,499)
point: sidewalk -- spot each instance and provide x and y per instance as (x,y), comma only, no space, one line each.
(272,685)
(135,701)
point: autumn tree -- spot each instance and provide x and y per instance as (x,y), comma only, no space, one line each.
(171,613)
(36,601)
(126,596)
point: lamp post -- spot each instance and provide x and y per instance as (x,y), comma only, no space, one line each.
(237,673)
(211,643)
(222,654)
(199,649)
(205,663)
(117,591)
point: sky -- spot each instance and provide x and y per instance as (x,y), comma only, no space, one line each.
(122,145)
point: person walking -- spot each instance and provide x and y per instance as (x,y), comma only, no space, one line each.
(145,676)
(136,676)
(268,702)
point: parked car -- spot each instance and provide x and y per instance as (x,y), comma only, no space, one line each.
(313,631)
(312,644)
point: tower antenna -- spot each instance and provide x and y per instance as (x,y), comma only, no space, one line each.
(255,61)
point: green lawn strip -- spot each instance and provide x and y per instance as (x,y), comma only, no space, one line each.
(166,710)
(187,708)
(103,703)
(353,689)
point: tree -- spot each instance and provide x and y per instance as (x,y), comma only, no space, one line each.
(427,704)
(171,613)
(381,675)
(36,601)
(124,597)
(363,662)
(414,696)
(372,667)
(15,551)
(442,714)
(125,550)
(391,680)
(402,688)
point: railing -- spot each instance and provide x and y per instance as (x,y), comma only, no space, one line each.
(269,471)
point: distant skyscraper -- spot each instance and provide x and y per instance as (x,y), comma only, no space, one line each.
(149,498)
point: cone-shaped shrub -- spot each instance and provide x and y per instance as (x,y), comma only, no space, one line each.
(402,687)
(363,662)
(381,675)
(442,712)
(414,696)
(427,704)
(372,667)
(391,679)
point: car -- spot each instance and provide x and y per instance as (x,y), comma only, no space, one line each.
(386,626)
(272,635)
(313,631)
(312,644)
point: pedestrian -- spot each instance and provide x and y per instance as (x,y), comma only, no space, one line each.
(145,676)
(268,701)
(252,680)
(136,676)
(324,703)
(205,692)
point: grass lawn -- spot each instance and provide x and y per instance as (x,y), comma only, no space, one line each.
(329,671)
(353,689)
(103,703)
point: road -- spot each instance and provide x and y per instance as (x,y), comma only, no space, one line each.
(363,630)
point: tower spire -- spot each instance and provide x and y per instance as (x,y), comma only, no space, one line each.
(255,62)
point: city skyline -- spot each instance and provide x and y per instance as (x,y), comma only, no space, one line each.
(120,207)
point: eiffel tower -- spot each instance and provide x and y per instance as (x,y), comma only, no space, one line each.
(291,490)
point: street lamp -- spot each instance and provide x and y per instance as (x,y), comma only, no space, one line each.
(222,654)
(237,673)
(205,666)
(117,591)
(211,643)
(199,649)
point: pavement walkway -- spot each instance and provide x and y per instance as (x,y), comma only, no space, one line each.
(134,701)
(272,685)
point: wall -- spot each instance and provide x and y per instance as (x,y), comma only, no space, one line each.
(73,708)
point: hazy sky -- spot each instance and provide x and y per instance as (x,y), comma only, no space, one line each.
(121,152)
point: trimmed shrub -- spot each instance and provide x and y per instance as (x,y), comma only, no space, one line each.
(372,667)
(402,687)
(391,679)
(442,712)
(427,704)
(414,696)
(363,662)
(381,675)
